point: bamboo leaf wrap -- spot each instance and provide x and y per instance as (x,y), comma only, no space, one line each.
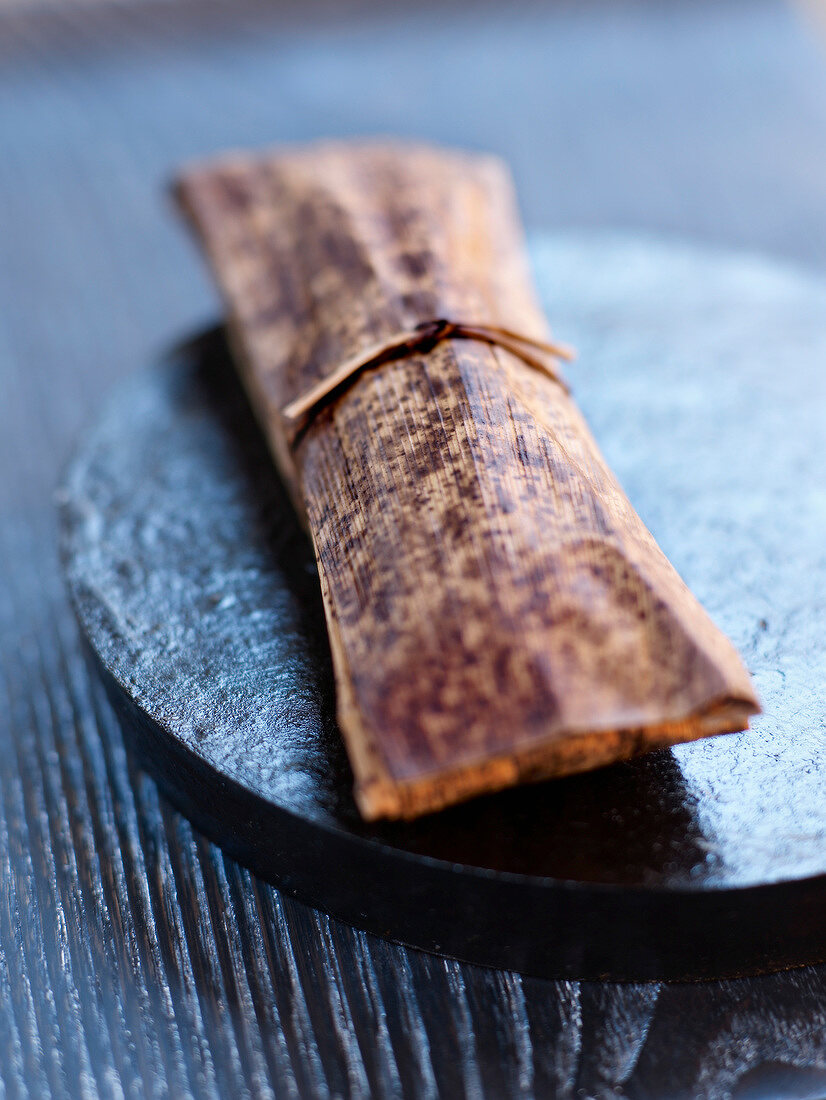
(497,611)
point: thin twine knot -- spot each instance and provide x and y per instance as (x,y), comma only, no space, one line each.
(421,339)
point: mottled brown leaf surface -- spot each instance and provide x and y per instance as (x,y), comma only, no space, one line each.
(496,609)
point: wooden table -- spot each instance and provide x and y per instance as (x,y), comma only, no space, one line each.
(134,958)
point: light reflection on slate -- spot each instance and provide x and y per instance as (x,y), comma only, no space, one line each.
(199,592)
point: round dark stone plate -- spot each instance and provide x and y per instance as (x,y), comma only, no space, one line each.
(702,376)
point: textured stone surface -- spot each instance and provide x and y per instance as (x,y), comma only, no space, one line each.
(198,589)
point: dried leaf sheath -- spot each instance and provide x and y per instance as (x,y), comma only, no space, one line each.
(496,609)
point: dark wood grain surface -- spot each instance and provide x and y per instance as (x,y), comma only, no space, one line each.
(134,959)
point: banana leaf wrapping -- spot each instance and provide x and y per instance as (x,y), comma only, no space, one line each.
(497,611)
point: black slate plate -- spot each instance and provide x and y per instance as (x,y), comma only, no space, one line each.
(701,375)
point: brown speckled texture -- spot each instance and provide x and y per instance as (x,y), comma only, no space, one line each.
(497,611)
